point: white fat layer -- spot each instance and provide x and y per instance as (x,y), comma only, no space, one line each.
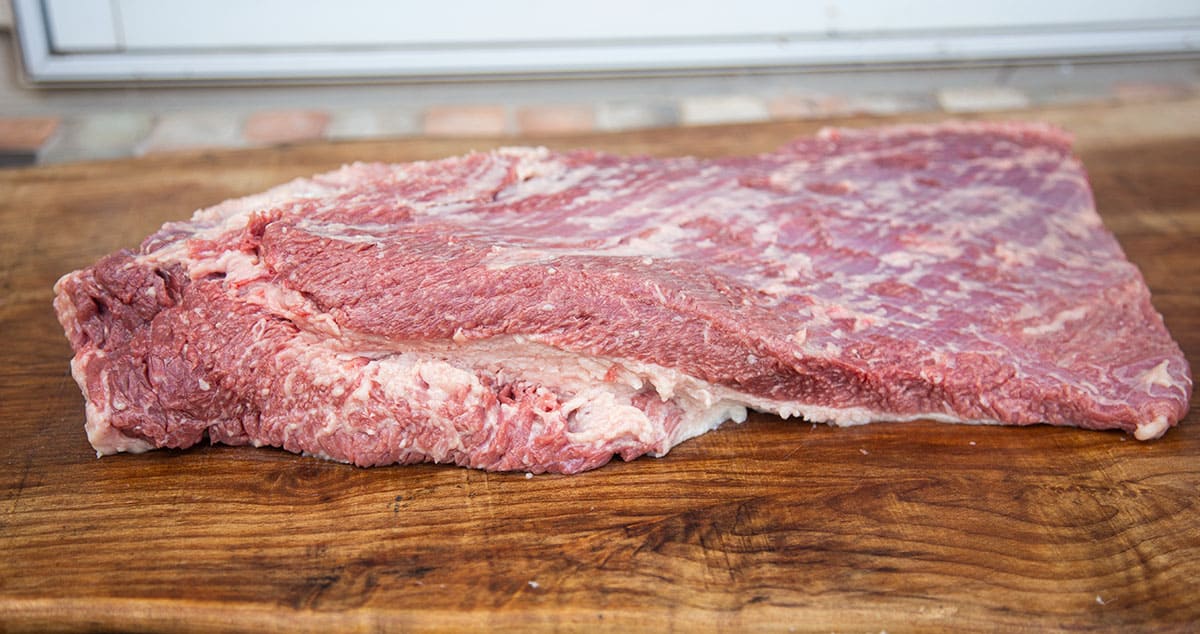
(442,383)
(1058,322)
(1154,429)
(237,266)
(292,305)
(246,274)
(1158,375)
(663,242)
(600,414)
(596,395)
(358,233)
(602,388)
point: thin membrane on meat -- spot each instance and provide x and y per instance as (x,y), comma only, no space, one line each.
(530,310)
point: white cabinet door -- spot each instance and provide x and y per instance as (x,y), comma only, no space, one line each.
(97,40)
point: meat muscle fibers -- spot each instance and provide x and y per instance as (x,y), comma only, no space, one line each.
(538,311)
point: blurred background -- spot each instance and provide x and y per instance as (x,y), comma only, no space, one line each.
(98,79)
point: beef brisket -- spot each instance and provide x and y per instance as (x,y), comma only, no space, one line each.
(530,310)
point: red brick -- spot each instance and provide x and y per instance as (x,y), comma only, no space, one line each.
(1141,92)
(982,99)
(285,126)
(716,109)
(556,119)
(26,133)
(466,121)
(808,106)
(192,130)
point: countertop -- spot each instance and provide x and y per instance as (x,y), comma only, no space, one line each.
(768,525)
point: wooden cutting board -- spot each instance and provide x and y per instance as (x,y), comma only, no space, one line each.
(768,525)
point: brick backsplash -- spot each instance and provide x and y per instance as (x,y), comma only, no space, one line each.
(99,135)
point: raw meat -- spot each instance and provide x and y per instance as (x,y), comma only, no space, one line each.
(528,310)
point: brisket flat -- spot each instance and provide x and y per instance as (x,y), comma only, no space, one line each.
(539,311)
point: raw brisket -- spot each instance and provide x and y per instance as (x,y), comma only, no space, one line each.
(530,310)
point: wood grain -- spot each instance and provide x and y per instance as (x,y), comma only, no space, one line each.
(770,525)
